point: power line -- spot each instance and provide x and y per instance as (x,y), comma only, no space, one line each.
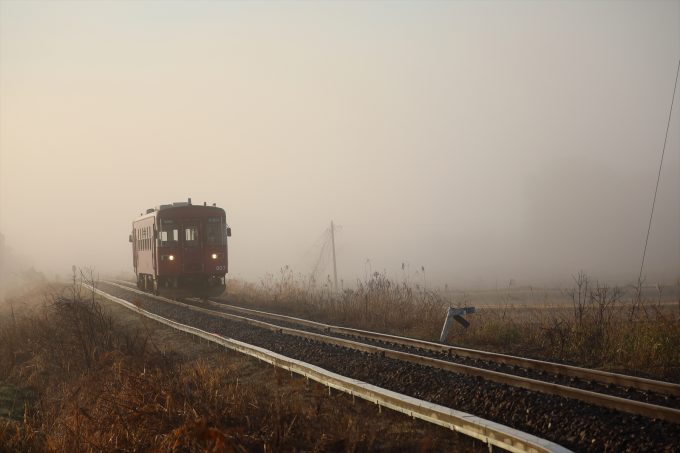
(658,177)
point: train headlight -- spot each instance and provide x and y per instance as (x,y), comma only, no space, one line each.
(171,257)
(214,256)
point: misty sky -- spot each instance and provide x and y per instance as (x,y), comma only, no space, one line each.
(485,141)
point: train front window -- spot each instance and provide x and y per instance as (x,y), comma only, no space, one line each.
(191,235)
(216,231)
(169,232)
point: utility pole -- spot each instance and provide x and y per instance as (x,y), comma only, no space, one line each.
(335,270)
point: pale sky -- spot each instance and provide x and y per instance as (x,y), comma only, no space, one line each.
(482,140)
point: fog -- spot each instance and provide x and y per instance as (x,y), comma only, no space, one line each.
(480,141)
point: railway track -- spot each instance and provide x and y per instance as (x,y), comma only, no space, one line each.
(609,382)
(493,434)
(656,393)
(568,414)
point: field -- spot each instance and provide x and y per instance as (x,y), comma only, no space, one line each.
(81,375)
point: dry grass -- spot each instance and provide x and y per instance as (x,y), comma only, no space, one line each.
(597,328)
(92,384)
(377,303)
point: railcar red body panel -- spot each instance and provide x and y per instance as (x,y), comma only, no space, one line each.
(180,250)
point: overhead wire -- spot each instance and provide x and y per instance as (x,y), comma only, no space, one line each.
(658,178)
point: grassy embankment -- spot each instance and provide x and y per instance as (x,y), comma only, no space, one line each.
(598,326)
(73,377)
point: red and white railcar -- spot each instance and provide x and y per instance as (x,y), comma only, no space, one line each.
(180,250)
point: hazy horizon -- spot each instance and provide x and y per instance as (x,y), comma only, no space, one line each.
(483,141)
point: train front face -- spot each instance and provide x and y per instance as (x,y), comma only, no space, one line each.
(192,251)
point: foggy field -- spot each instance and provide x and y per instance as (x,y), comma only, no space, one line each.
(76,374)
(365,164)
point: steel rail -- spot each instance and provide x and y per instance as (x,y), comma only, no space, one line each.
(491,433)
(599,399)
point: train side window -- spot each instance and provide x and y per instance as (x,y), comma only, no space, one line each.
(216,231)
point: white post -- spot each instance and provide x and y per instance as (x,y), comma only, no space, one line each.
(447,325)
(455,314)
